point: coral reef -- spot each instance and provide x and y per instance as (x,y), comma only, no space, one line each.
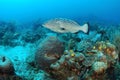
(44,55)
(116,39)
(70,64)
(30,37)
(115,74)
(112,34)
(8,34)
(88,65)
(49,51)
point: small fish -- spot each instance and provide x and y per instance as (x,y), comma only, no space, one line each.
(63,25)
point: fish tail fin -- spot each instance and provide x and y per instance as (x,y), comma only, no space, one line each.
(85,28)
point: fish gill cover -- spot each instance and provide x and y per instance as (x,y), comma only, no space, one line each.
(59,40)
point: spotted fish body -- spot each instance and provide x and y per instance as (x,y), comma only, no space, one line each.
(63,25)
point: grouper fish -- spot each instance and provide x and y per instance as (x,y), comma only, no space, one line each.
(63,25)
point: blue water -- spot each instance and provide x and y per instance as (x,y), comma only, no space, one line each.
(30,10)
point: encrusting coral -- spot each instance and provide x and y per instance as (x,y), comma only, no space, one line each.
(90,64)
(106,57)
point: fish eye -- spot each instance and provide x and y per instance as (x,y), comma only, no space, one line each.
(62,28)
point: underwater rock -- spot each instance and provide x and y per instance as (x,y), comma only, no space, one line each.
(6,66)
(49,51)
